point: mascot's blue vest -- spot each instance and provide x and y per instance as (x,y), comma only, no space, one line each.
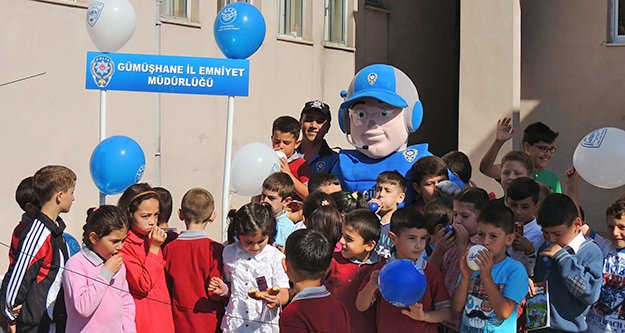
(357,171)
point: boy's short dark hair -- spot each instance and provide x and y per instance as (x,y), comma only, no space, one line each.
(279,182)
(459,163)
(555,210)
(537,132)
(427,166)
(319,180)
(438,212)
(365,222)
(521,157)
(309,253)
(166,204)
(52,179)
(26,194)
(408,218)
(287,124)
(475,196)
(197,205)
(498,216)
(616,209)
(523,187)
(393,178)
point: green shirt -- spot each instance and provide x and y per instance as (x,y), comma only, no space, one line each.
(549,178)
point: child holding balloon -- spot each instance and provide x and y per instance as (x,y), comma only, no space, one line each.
(451,244)
(409,234)
(96,290)
(143,258)
(255,280)
(498,280)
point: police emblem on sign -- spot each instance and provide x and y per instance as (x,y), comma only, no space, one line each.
(93,12)
(320,166)
(409,154)
(372,78)
(102,69)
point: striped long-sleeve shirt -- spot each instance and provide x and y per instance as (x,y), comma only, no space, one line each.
(34,278)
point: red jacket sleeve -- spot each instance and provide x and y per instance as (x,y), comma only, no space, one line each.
(142,273)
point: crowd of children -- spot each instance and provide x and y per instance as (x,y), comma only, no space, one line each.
(306,256)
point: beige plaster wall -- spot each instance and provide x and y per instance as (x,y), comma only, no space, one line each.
(489,76)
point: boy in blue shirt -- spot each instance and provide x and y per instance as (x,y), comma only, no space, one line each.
(571,263)
(489,297)
(277,191)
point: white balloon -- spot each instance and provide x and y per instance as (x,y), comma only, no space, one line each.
(472,256)
(600,158)
(251,164)
(110,23)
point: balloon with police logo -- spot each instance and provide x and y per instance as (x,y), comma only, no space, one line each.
(110,23)
(116,163)
(239,30)
(600,156)
(251,164)
(402,283)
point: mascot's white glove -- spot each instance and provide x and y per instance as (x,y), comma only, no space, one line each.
(448,188)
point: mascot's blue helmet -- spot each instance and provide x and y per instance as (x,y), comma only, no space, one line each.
(387,84)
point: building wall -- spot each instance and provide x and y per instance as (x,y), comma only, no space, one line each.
(52,119)
(572,80)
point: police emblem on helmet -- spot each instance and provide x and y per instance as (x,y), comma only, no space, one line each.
(102,69)
(372,78)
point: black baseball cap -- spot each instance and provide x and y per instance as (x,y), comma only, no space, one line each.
(317,105)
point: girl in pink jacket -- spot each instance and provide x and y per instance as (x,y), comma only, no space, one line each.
(94,281)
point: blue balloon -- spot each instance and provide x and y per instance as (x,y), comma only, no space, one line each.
(72,244)
(374,207)
(239,30)
(116,163)
(402,283)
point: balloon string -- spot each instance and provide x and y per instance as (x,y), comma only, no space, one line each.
(22,79)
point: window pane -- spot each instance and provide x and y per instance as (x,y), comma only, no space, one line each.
(174,8)
(291,12)
(378,3)
(335,21)
(621,18)
(223,3)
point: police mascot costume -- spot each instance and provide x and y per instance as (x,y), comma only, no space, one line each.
(381,108)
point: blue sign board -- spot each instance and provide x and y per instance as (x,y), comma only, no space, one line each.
(167,74)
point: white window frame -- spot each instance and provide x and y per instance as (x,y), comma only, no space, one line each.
(167,3)
(284,12)
(327,23)
(223,3)
(615,38)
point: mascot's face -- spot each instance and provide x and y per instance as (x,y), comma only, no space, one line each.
(379,126)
